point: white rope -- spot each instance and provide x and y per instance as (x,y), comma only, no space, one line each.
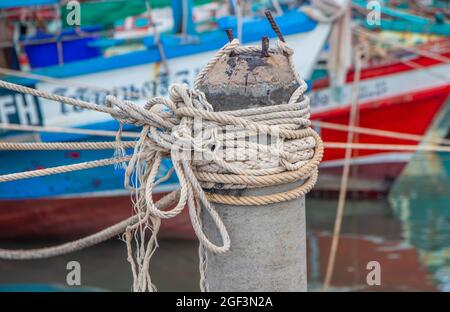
(378,132)
(52,80)
(55,97)
(34,146)
(61,169)
(67,82)
(137,115)
(390,147)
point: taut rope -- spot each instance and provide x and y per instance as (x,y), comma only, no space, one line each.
(184,127)
(90,132)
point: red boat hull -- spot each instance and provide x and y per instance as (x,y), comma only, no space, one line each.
(374,171)
(71,218)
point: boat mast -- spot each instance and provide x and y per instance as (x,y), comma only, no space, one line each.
(156,36)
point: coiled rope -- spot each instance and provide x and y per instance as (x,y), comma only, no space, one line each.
(183,126)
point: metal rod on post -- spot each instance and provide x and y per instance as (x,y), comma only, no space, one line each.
(268,250)
(274,25)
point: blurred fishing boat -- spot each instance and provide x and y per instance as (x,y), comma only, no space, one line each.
(403,86)
(395,85)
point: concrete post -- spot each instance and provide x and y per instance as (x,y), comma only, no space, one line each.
(268,244)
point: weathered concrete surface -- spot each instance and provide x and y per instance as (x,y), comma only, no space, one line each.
(268,244)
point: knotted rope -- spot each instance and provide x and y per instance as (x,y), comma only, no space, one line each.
(209,151)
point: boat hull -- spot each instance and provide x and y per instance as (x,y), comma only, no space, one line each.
(75,217)
(374,171)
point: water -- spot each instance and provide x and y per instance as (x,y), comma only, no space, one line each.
(408,233)
(371,231)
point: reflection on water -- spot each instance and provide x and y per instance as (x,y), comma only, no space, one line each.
(104,267)
(421,200)
(407,233)
(370,232)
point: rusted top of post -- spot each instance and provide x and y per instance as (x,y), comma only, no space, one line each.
(245,80)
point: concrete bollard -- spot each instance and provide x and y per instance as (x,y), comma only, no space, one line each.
(268,243)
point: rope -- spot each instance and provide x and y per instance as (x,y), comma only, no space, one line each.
(377,132)
(67,82)
(55,97)
(209,150)
(345,173)
(137,115)
(63,82)
(265,199)
(20,127)
(427,70)
(384,147)
(62,169)
(318,123)
(169,131)
(33,146)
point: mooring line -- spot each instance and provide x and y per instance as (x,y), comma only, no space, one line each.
(63,169)
(387,147)
(33,146)
(378,132)
(93,132)
(64,82)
